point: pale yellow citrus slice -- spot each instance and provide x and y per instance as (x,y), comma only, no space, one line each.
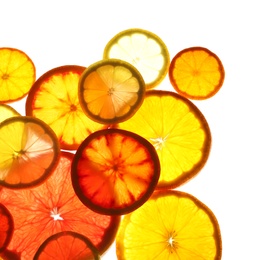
(111,91)
(17,74)
(196,73)
(7,111)
(170,225)
(29,151)
(54,99)
(143,49)
(178,131)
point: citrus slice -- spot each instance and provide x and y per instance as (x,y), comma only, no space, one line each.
(7,111)
(54,99)
(67,245)
(111,91)
(170,225)
(17,74)
(196,73)
(178,131)
(6,227)
(115,171)
(53,207)
(143,49)
(29,151)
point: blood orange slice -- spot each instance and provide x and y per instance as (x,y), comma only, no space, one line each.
(115,171)
(53,207)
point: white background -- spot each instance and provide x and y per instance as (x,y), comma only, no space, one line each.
(235,182)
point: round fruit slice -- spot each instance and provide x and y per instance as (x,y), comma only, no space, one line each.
(143,49)
(170,225)
(111,91)
(17,74)
(6,227)
(7,111)
(196,73)
(29,151)
(54,99)
(53,207)
(178,131)
(67,245)
(115,171)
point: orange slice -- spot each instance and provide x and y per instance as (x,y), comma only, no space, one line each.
(29,151)
(178,131)
(111,91)
(7,111)
(67,245)
(6,227)
(115,171)
(170,225)
(53,207)
(143,49)
(54,99)
(17,74)
(196,73)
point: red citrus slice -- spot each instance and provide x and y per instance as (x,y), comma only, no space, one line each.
(115,171)
(53,207)
(67,245)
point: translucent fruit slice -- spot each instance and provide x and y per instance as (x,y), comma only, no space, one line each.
(196,73)
(53,207)
(67,245)
(29,151)
(170,225)
(111,91)
(115,171)
(6,227)
(7,111)
(178,131)
(54,99)
(17,74)
(143,49)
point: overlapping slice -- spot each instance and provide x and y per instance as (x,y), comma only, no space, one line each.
(143,49)
(170,225)
(7,111)
(54,99)
(178,131)
(111,91)
(67,245)
(196,73)
(53,207)
(17,74)
(115,171)
(6,227)
(29,151)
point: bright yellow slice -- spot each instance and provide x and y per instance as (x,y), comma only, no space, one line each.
(7,111)
(178,131)
(111,91)
(170,225)
(17,74)
(196,73)
(143,49)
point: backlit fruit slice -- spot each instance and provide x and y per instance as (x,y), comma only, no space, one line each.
(29,151)
(143,49)
(67,245)
(111,91)
(178,131)
(53,207)
(6,227)
(7,111)
(170,225)
(54,99)
(196,73)
(115,171)
(17,74)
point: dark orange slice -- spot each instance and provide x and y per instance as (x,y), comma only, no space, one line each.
(115,171)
